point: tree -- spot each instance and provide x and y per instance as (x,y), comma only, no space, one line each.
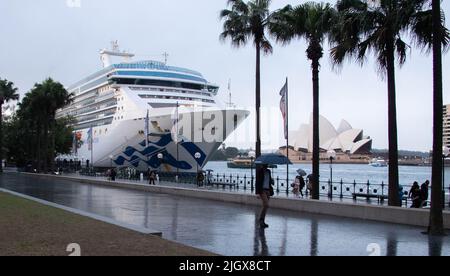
(7,93)
(37,115)
(377,27)
(245,21)
(430,32)
(311,22)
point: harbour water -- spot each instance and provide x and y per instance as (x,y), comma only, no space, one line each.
(349,173)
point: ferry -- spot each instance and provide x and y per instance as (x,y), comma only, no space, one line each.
(379,163)
(244,163)
(125,115)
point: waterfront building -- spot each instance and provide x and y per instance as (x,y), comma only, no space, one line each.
(446,122)
(350,145)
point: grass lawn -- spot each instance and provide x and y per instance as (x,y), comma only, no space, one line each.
(29,228)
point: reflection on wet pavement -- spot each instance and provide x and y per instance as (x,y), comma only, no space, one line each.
(232,229)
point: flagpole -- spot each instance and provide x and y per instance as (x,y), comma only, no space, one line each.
(178,157)
(92,147)
(147,130)
(287,135)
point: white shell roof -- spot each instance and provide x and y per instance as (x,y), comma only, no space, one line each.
(345,139)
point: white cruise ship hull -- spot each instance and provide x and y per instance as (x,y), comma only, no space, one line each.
(124,145)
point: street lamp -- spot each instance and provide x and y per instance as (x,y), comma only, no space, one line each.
(445,153)
(197,156)
(160,158)
(331,155)
(252,156)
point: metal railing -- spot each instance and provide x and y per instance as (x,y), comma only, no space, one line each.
(368,192)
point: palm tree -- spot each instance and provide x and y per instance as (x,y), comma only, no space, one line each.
(312,22)
(7,93)
(379,28)
(50,96)
(428,37)
(245,21)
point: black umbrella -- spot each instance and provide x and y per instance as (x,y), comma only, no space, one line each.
(273,159)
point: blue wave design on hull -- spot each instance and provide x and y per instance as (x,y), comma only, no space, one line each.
(159,147)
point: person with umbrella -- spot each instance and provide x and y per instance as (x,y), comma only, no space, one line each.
(299,183)
(264,190)
(265,182)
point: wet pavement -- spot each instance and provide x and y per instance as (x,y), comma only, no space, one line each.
(230,229)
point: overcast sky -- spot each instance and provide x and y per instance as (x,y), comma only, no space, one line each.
(51,38)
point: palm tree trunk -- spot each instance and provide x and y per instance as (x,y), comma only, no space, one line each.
(1,135)
(258,99)
(52,144)
(38,148)
(394,198)
(45,147)
(436,226)
(316,139)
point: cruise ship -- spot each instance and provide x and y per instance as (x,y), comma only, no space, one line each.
(129,114)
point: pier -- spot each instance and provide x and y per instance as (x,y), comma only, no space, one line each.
(228,228)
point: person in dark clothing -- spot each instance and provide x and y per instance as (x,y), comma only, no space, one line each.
(298,185)
(302,184)
(415,195)
(152,178)
(113,175)
(264,190)
(424,193)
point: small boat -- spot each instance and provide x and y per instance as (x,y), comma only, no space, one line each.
(244,163)
(378,163)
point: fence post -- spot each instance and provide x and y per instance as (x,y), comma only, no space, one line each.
(278,185)
(252,185)
(237,183)
(368,190)
(342,184)
(245,182)
(330,191)
(354,189)
(287,187)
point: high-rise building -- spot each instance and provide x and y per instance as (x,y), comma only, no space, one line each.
(446,122)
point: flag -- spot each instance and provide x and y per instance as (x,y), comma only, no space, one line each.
(175,121)
(284,107)
(90,138)
(74,144)
(146,131)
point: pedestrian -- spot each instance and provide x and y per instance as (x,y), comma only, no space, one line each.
(415,196)
(200,178)
(302,185)
(264,190)
(400,194)
(309,185)
(113,174)
(424,193)
(296,186)
(152,178)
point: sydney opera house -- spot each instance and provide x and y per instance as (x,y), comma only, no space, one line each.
(350,145)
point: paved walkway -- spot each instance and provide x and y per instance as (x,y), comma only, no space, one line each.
(230,229)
